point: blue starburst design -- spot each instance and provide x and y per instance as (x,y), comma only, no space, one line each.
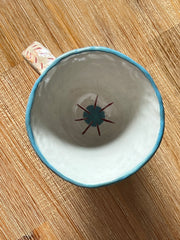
(94,116)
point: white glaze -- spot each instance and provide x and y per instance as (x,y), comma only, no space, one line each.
(88,158)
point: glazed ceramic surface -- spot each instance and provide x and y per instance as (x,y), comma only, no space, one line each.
(95,116)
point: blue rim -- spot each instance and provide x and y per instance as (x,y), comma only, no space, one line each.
(31,98)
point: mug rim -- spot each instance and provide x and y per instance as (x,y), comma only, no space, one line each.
(31,99)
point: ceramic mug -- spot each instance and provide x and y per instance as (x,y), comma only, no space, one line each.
(94,115)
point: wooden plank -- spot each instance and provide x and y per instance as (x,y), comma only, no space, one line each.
(43,232)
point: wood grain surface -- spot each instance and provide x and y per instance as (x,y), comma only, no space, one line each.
(34,202)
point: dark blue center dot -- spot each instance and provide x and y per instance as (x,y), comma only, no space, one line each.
(94,115)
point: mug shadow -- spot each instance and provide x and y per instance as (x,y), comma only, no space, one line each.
(124,210)
(111,209)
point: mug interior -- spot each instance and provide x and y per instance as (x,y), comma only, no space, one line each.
(93,88)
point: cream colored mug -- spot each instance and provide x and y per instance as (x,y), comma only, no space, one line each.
(94,115)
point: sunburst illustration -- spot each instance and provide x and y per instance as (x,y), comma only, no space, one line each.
(94,116)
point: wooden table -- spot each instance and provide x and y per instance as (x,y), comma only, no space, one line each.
(34,202)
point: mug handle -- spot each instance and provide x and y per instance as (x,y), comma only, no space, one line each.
(38,56)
